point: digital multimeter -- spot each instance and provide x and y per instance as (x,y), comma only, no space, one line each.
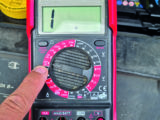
(76,41)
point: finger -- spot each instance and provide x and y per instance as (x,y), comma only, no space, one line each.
(20,101)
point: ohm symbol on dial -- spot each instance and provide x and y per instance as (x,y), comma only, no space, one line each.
(102,88)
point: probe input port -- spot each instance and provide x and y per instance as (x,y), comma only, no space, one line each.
(81,118)
(62,118)
(42,118)
(100,118)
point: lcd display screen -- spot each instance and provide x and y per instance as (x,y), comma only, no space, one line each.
(73,20)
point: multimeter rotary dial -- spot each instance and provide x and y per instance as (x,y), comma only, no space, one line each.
(73,65)
(71,69)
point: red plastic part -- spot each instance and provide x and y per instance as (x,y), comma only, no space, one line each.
(112,4)
(30,25)
(113,25)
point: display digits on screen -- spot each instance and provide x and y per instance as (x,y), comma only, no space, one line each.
(72,20)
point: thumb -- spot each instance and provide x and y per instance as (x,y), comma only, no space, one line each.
(20,101)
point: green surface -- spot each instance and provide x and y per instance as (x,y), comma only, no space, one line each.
(72,19)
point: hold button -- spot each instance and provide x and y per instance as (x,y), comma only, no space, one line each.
(99,43)
(43,44)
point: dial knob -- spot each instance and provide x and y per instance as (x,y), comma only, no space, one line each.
(73,65)
(71,69)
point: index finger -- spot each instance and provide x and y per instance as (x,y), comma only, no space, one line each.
(20,101)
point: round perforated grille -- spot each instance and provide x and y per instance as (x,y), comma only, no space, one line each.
(71,69)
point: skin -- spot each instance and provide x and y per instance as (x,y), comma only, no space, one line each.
(17,105)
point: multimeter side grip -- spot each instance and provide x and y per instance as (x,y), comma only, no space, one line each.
(30,26)
(112,4)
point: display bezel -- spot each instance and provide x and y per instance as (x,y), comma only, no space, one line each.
(74,3)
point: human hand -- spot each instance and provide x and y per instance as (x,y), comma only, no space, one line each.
(16,106)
